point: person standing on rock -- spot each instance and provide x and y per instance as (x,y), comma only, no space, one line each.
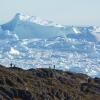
(11,65)
(54,66)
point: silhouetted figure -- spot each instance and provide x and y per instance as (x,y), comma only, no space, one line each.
(49,67)
(89,80)
(11,65)
(54,66)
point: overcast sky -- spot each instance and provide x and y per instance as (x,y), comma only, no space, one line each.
(69,12)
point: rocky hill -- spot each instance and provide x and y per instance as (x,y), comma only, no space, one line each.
(46,84)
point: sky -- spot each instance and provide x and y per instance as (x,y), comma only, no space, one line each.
(67,12)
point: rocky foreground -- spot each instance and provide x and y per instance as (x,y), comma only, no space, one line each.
(46,84)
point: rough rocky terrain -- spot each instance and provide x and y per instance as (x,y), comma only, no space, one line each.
(46,84)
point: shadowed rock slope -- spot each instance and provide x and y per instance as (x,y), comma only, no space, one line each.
(46,84)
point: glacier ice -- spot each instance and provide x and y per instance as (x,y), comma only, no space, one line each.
(30,42)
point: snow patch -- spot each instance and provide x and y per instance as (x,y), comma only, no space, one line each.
(36,20)
(13,51)
(76,30)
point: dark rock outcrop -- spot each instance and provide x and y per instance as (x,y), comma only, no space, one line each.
(46,84)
